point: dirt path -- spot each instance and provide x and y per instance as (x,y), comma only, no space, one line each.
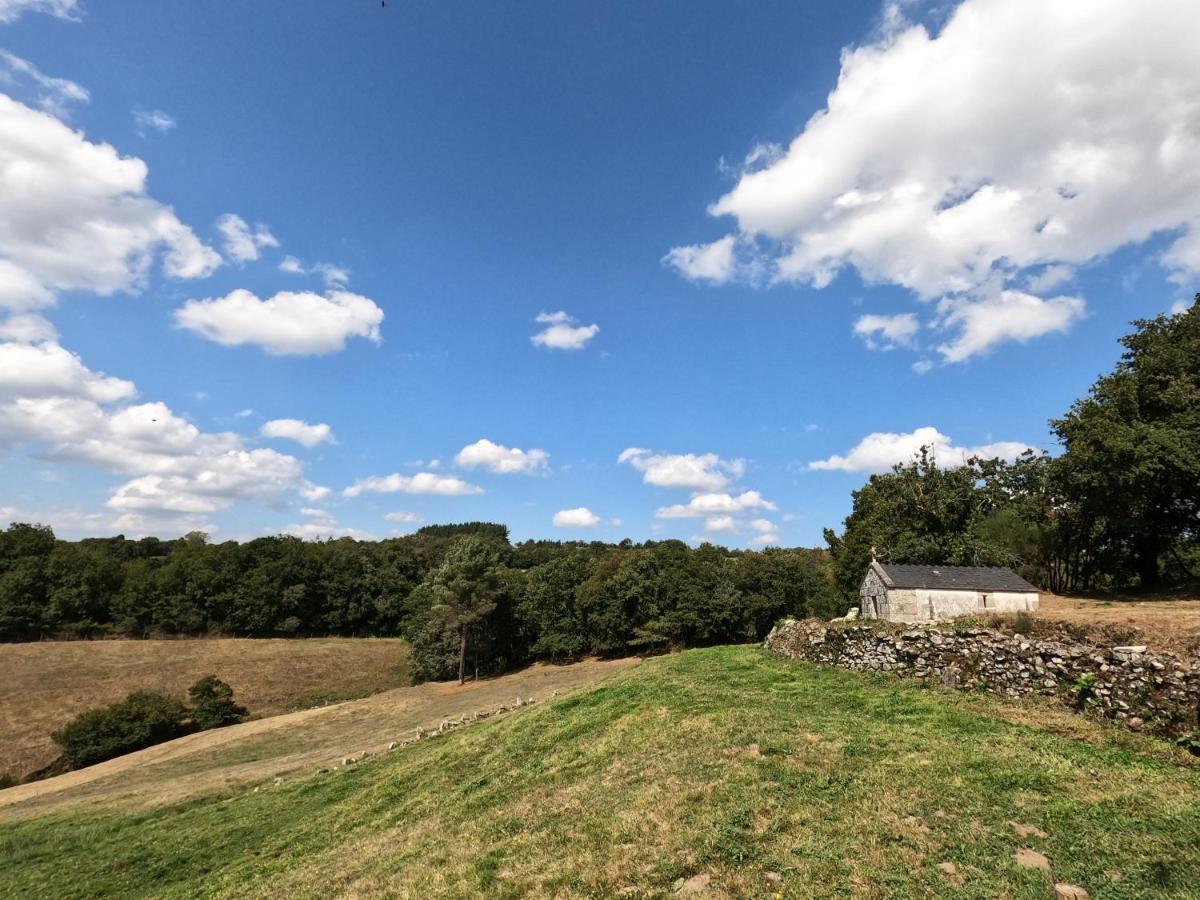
(263,749)
(1172,625)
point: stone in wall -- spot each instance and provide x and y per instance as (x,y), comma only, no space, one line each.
(1154,692)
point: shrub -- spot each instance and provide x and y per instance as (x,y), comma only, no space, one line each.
(140,720)
(7,780)
(213,705)
(1022,623)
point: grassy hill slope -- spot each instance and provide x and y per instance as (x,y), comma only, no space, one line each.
(708,769)
(44,684)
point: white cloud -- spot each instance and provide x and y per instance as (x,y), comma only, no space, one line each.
(335,277)
(240,241)
(500,459)
(887,332)
(1050,278)
(155,120)
(421,483)
(27,328)
(299,431)
(291,265)
(561,332)
(409,517)
(881,450)
(286,324)
(726,524)
(700,472)
(703,505)
(54,95)
(49,398)
(713,262)
(580,517)
(76,216)
(1008,316)
(10,10)
(978,160)
(321,525)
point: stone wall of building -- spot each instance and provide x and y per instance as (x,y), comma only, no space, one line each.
(1154,692)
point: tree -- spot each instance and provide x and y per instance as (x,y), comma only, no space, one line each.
(466,585)
(213,705)
(1132,446)
(141,720)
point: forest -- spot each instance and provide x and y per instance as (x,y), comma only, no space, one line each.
(1117,508)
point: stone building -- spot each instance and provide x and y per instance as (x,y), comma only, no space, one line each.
(930,593)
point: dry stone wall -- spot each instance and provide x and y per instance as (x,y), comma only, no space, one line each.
(1154,692)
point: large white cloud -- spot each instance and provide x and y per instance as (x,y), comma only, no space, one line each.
(75,215)
(561,332)
(881,450)
(500,459)
(298,430)
(579,517)
(287,324)
(1025,136)
(420,483)
(700,472)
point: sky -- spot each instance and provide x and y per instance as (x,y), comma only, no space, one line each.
(683,270)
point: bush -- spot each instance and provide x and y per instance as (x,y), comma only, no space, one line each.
(140,720)
(213,705)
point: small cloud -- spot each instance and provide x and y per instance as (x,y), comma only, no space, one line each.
(580,517)
(714,263)
(291,265)
(887,332)
(561,332)
(241,243)
(335,277)
(299,431)
(409,517)
(153,120)
(500,459)
(421,483)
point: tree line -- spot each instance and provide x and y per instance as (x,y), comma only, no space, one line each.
(463,595)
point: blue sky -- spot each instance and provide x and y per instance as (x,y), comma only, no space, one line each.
(748,308)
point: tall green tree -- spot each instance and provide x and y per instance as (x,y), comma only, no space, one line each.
(466,585)
(1132,446)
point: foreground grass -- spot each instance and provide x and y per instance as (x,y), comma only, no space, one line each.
(725,762)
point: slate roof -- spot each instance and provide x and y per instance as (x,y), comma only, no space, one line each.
(948,578)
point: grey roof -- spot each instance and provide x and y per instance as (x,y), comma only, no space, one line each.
(965,578)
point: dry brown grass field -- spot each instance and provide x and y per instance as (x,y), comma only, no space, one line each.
(42,685)
(1167,623)
(295,743)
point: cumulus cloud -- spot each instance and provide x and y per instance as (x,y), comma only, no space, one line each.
(580,517)
(766,532)
(967,163)
(421,483)
(500,459)
(291,265)
(700,472)
(561,332)
(713,262)
(240,241)
(10,10)
(50,399)
(881,450)
(724,524)
(76,216)
(27,328)
(299,431)
(146,120)
(887,332)
(286,324)
(1008,316)
(702,505)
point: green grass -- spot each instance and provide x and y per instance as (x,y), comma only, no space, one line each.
(725,761)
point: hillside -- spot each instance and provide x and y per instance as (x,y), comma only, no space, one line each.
(723,772)
(44,684)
